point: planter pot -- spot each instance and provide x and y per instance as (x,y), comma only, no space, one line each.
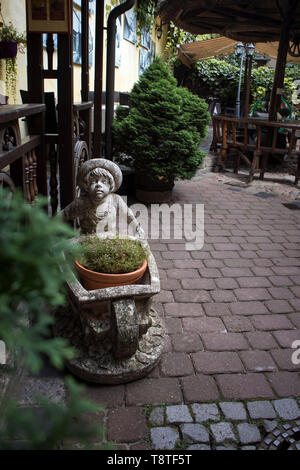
(8,50)
(153,189)
(92,280)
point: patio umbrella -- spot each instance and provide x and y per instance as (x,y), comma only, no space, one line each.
(194,51)
(246,21)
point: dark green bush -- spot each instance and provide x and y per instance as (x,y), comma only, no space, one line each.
(161,131)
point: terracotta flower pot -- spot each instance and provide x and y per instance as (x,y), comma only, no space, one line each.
(8,50)
(92,280)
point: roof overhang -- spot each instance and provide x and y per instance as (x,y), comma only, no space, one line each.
(241,20)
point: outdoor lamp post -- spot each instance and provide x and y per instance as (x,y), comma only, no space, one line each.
(240,51)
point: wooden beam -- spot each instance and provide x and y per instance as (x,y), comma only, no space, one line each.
(277,88)
(248,15)
(85,50)
(98,80)
(65,119)
(36,95)
(247,88)
(85,82)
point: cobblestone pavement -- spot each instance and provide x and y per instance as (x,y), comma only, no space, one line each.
(232,312)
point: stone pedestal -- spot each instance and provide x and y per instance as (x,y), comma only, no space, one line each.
(104,367)
(117,335)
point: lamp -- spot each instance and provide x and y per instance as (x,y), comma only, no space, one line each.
(158,29)
(250,50)
(240,51)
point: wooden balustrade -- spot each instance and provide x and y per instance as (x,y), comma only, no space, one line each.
(20,158)
(258,136)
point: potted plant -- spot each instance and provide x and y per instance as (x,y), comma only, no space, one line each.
(108,262)
(11,41)
(159,134)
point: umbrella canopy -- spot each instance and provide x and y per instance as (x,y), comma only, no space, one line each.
(242,20)
(246,21)
(194,51)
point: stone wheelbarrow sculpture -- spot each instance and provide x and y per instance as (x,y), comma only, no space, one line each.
(117,335)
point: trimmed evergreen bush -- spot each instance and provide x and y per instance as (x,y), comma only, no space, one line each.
(161,130)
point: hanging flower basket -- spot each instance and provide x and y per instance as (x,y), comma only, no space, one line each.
(8,50)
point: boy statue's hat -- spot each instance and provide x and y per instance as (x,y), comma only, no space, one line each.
(104,164)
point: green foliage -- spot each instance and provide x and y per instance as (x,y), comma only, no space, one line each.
(9,33)
(233,59)
(262,81)
(11,72)
(177,36)
(111,255)
(262,77)
(35,257)
(145,11)
(161,131)
(219,79)
(216,78)
(49,425)
(31,281)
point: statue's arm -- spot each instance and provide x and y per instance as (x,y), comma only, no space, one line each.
(73,210)
(131,220)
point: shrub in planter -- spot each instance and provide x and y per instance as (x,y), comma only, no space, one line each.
(108,262)
(159,134)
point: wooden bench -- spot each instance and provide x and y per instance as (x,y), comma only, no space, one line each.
(225,138)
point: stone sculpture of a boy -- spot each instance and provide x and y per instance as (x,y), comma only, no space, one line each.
(96,207)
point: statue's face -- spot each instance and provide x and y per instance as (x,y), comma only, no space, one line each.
(99,188)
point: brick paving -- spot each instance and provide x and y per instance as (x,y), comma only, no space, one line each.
(231,312)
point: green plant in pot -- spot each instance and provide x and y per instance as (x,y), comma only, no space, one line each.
(108,262)
(159,134)
(11,41)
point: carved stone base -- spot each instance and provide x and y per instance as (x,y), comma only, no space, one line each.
(102,367)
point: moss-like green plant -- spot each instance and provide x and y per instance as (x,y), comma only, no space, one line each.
(161,131)
(111,255)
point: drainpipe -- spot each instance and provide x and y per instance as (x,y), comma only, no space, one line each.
(110,71)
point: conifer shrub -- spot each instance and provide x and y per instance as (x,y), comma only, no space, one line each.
(160,132)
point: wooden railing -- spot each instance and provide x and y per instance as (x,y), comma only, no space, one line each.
(21,160)
(82,149)
(260,137)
